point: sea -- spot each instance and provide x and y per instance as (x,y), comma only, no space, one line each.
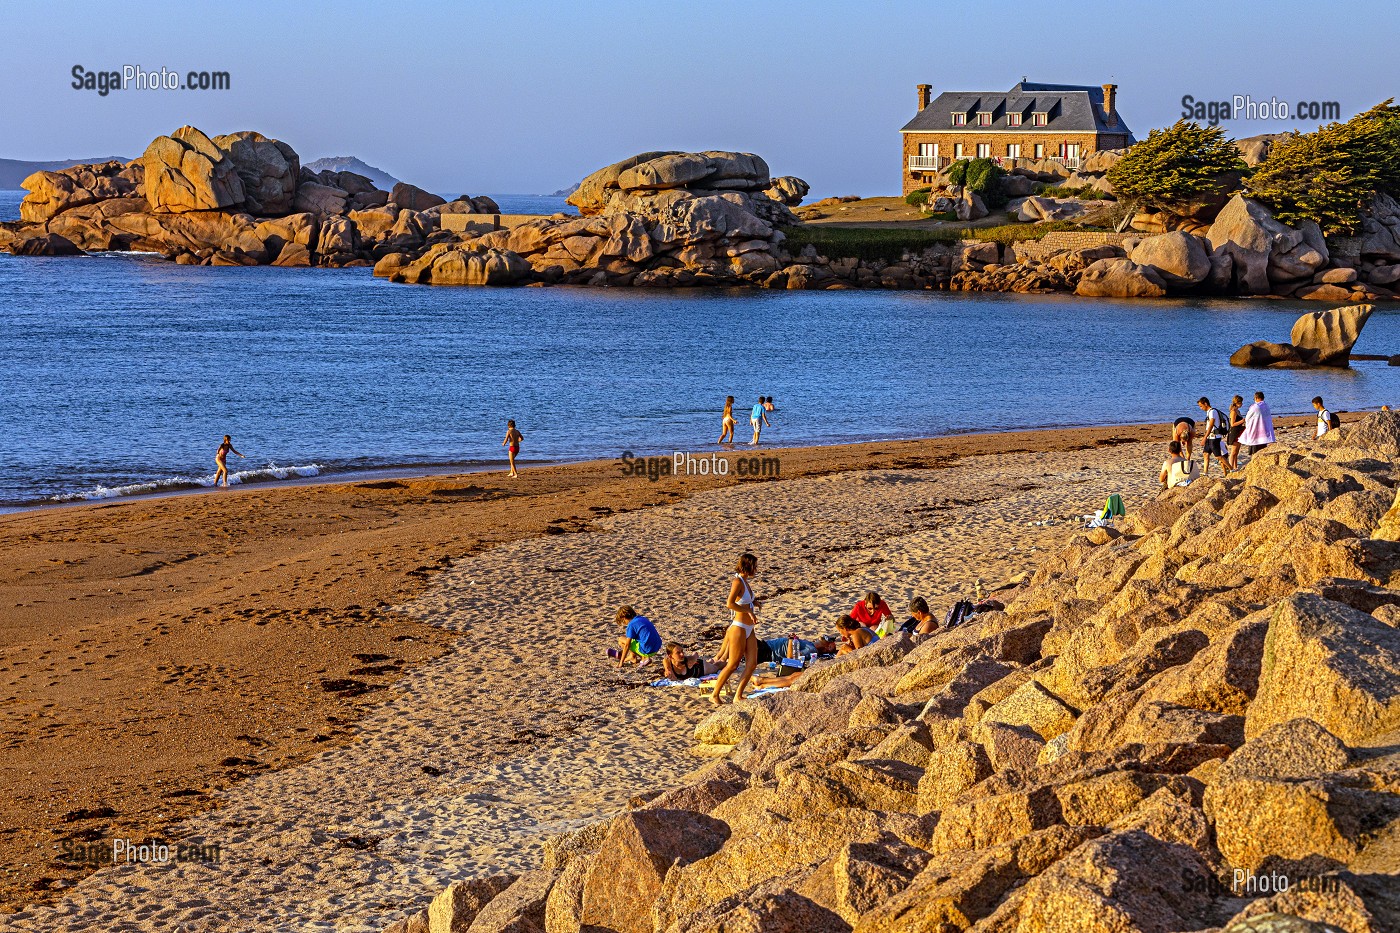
(120,374)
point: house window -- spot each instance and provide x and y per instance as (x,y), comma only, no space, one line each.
(1013,119)
(928,149)
(960,119)
(984,150)
(984,118)
(957,150)
(1038,119)
(1013,150)
(1040,150)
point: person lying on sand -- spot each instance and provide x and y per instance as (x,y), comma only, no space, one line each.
(640,642)
(681,665)
(854,636)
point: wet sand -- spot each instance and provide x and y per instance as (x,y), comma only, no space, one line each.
(308,656)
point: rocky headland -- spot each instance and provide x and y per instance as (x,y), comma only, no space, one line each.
(1189,722)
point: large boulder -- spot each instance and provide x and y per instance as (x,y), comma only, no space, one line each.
(414,198)
(454,909)
(1038,209)
(672,171)
(52,193)
(315,198)
(1262,250)
(1262,353)
(596,190)
(44,244)
(186,171)
(1120,278)
(788,189)
(1325,338)
(1255,149)
(1179,258)
(1380,230)
(453,266)
(268,168)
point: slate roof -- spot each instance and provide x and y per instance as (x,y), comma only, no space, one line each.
(1072,108)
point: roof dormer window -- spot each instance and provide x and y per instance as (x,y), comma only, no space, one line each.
(1013,119)
(984,118)
(1039,118)
(959,119)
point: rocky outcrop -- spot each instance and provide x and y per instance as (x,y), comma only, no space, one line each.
(1207,693)
(788,190)
(1320,338)
(268,168)
(1180,259)
(186,171)
(1120,278)
(1262,251)
(52,193)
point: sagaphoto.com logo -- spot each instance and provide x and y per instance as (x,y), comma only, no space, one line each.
(134,77)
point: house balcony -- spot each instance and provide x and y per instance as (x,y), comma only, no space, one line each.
(919,163)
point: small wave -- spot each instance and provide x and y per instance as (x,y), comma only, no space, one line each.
(175,483)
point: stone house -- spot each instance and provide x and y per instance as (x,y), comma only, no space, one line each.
(1029,122)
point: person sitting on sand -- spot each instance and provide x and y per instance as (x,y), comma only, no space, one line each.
(874,613)
(512,444)
(1184,433)
(678,664)
(640,642)
(221,460)
(920,621)
(1176,469)
(740,642)
(854,636)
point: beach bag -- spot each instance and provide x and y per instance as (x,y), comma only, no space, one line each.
(958,614)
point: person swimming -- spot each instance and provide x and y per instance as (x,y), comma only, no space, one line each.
(221,461)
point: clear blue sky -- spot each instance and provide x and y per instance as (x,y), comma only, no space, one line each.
(528,97)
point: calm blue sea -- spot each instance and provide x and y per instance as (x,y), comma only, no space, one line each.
(119,374)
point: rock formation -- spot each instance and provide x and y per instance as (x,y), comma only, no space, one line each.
(186,171)
(1320,338)
(1209,692)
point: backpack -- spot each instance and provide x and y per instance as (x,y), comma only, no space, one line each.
(958,614)
(1334,421)
(1222,424)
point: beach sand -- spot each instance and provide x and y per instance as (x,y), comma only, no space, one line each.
(148,644)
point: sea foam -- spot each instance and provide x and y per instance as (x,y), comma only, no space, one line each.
(175,483)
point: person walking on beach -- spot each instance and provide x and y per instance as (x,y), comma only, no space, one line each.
(221,461)
(1326,421)
(1236,429)
(759,419)
(740,642)
(1258,425)
(726,425)
(512,444)
(1214,432)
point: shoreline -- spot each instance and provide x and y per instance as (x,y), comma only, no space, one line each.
(249,633)
(350,477)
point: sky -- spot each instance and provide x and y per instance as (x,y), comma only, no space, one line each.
(526,98)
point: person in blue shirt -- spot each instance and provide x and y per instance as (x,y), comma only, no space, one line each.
(759,419)
(639,642)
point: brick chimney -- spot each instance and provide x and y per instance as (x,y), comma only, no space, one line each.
(1110,111)
(925,92)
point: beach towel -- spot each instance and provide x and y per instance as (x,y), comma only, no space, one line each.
(1258,425)
(764,691)
(688,682)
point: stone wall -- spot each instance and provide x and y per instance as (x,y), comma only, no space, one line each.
(1066,239)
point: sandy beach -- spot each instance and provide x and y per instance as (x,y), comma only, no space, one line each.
(361,691)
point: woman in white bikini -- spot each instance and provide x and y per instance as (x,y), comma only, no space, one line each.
(740,642)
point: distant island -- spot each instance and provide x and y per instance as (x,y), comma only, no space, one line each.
(381,178)
(565,192)
(14,171)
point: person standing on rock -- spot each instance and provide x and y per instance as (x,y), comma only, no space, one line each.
(512,444)
(726,425)
(221,461)
(1236,429)
(1258,425)
(759,419)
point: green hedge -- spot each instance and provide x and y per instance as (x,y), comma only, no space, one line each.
(889,243)
(918,197)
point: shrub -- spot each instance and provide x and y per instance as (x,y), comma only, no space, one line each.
(1084,193)
(918,197)
(1173,169)
(957,173)
(890,243)
(983,178)
(1329,175)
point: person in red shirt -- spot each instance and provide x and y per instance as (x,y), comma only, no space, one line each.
(871,610)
